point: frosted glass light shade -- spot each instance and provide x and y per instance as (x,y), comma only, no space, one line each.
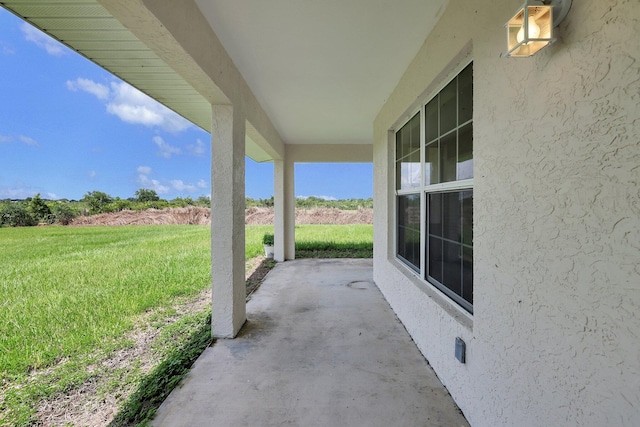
(530,30)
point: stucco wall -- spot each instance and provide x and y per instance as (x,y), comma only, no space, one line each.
(555,335)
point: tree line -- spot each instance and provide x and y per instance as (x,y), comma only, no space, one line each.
(36,210)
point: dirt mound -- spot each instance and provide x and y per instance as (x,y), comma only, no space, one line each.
(202,216)
(264,216)
(190,215)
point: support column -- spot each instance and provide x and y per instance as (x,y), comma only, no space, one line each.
(227,221)
(284,210)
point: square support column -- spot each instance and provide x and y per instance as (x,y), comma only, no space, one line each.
(227,221)
(284,210)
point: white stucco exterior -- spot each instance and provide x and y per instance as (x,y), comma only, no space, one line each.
(555,335)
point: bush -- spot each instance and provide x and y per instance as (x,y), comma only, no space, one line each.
(39,210)
(16,214)
(267,239)
(63,214)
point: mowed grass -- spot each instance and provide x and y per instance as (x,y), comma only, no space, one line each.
(66,290)
(68,293)
(319,241)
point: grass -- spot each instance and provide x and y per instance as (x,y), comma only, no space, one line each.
(334,241)
(69,295)
(319,241)
(66,290)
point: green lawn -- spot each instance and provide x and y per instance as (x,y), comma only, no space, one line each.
(67,291)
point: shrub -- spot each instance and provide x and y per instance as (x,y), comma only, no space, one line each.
(16,214)
(267,239)
(39,210)
(97,201)
(63,214)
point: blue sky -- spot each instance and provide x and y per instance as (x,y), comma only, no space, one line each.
(68,127)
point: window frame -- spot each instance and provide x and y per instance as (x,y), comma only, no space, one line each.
(424,190)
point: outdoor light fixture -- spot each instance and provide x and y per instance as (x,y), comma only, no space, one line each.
(531,28)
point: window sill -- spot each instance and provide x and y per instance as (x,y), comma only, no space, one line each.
(457,313)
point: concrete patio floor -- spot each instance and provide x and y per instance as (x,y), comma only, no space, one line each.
(321,347)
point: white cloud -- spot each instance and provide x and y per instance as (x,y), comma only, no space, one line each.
(28,141)
(164,149)
(179,185)
(165,188)
(130,105)
(152,184)
(133,106)
(20,138)
(52,46)
(91,174)
(21,190)
(197,149)
(6,48)
(100,91)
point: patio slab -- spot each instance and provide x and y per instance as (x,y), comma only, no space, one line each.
(321,347)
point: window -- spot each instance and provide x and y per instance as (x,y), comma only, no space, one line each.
(434,190)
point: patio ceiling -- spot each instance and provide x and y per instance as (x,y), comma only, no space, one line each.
(320,69)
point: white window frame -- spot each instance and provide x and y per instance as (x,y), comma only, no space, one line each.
(423,189)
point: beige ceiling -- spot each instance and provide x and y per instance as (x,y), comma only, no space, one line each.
(320,69)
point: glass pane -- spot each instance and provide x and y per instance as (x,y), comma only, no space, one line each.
(448,158)
(409,211)
(406,140)
(467,218)
(467,274)
(448,108)
(399,145)
(414,132)
(434,258)
(412,245)
(409,228)
(465,95)
(413,211)
(452,210)
(398,175)
(465,152)
(434,213)
(410,171)
(452,266)
(431,164)
(431,120)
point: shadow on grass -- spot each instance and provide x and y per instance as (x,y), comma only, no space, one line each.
(258,275)
(157,385)
(334,250)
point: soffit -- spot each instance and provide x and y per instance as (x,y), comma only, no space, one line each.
(322,69)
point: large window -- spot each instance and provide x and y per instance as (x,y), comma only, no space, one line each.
(434,188)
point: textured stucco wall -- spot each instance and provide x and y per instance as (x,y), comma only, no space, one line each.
(555,338)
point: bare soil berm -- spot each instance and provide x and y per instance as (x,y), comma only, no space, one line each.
(202,216)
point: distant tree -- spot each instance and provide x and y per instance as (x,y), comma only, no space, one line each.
(39,209)
(204,202)
(63,213)
(146,195)
(97,201)
(120,204)
(16,214)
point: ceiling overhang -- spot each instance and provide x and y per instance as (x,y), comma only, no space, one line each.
(321,71)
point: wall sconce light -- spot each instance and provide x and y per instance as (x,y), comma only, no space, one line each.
(531,28)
